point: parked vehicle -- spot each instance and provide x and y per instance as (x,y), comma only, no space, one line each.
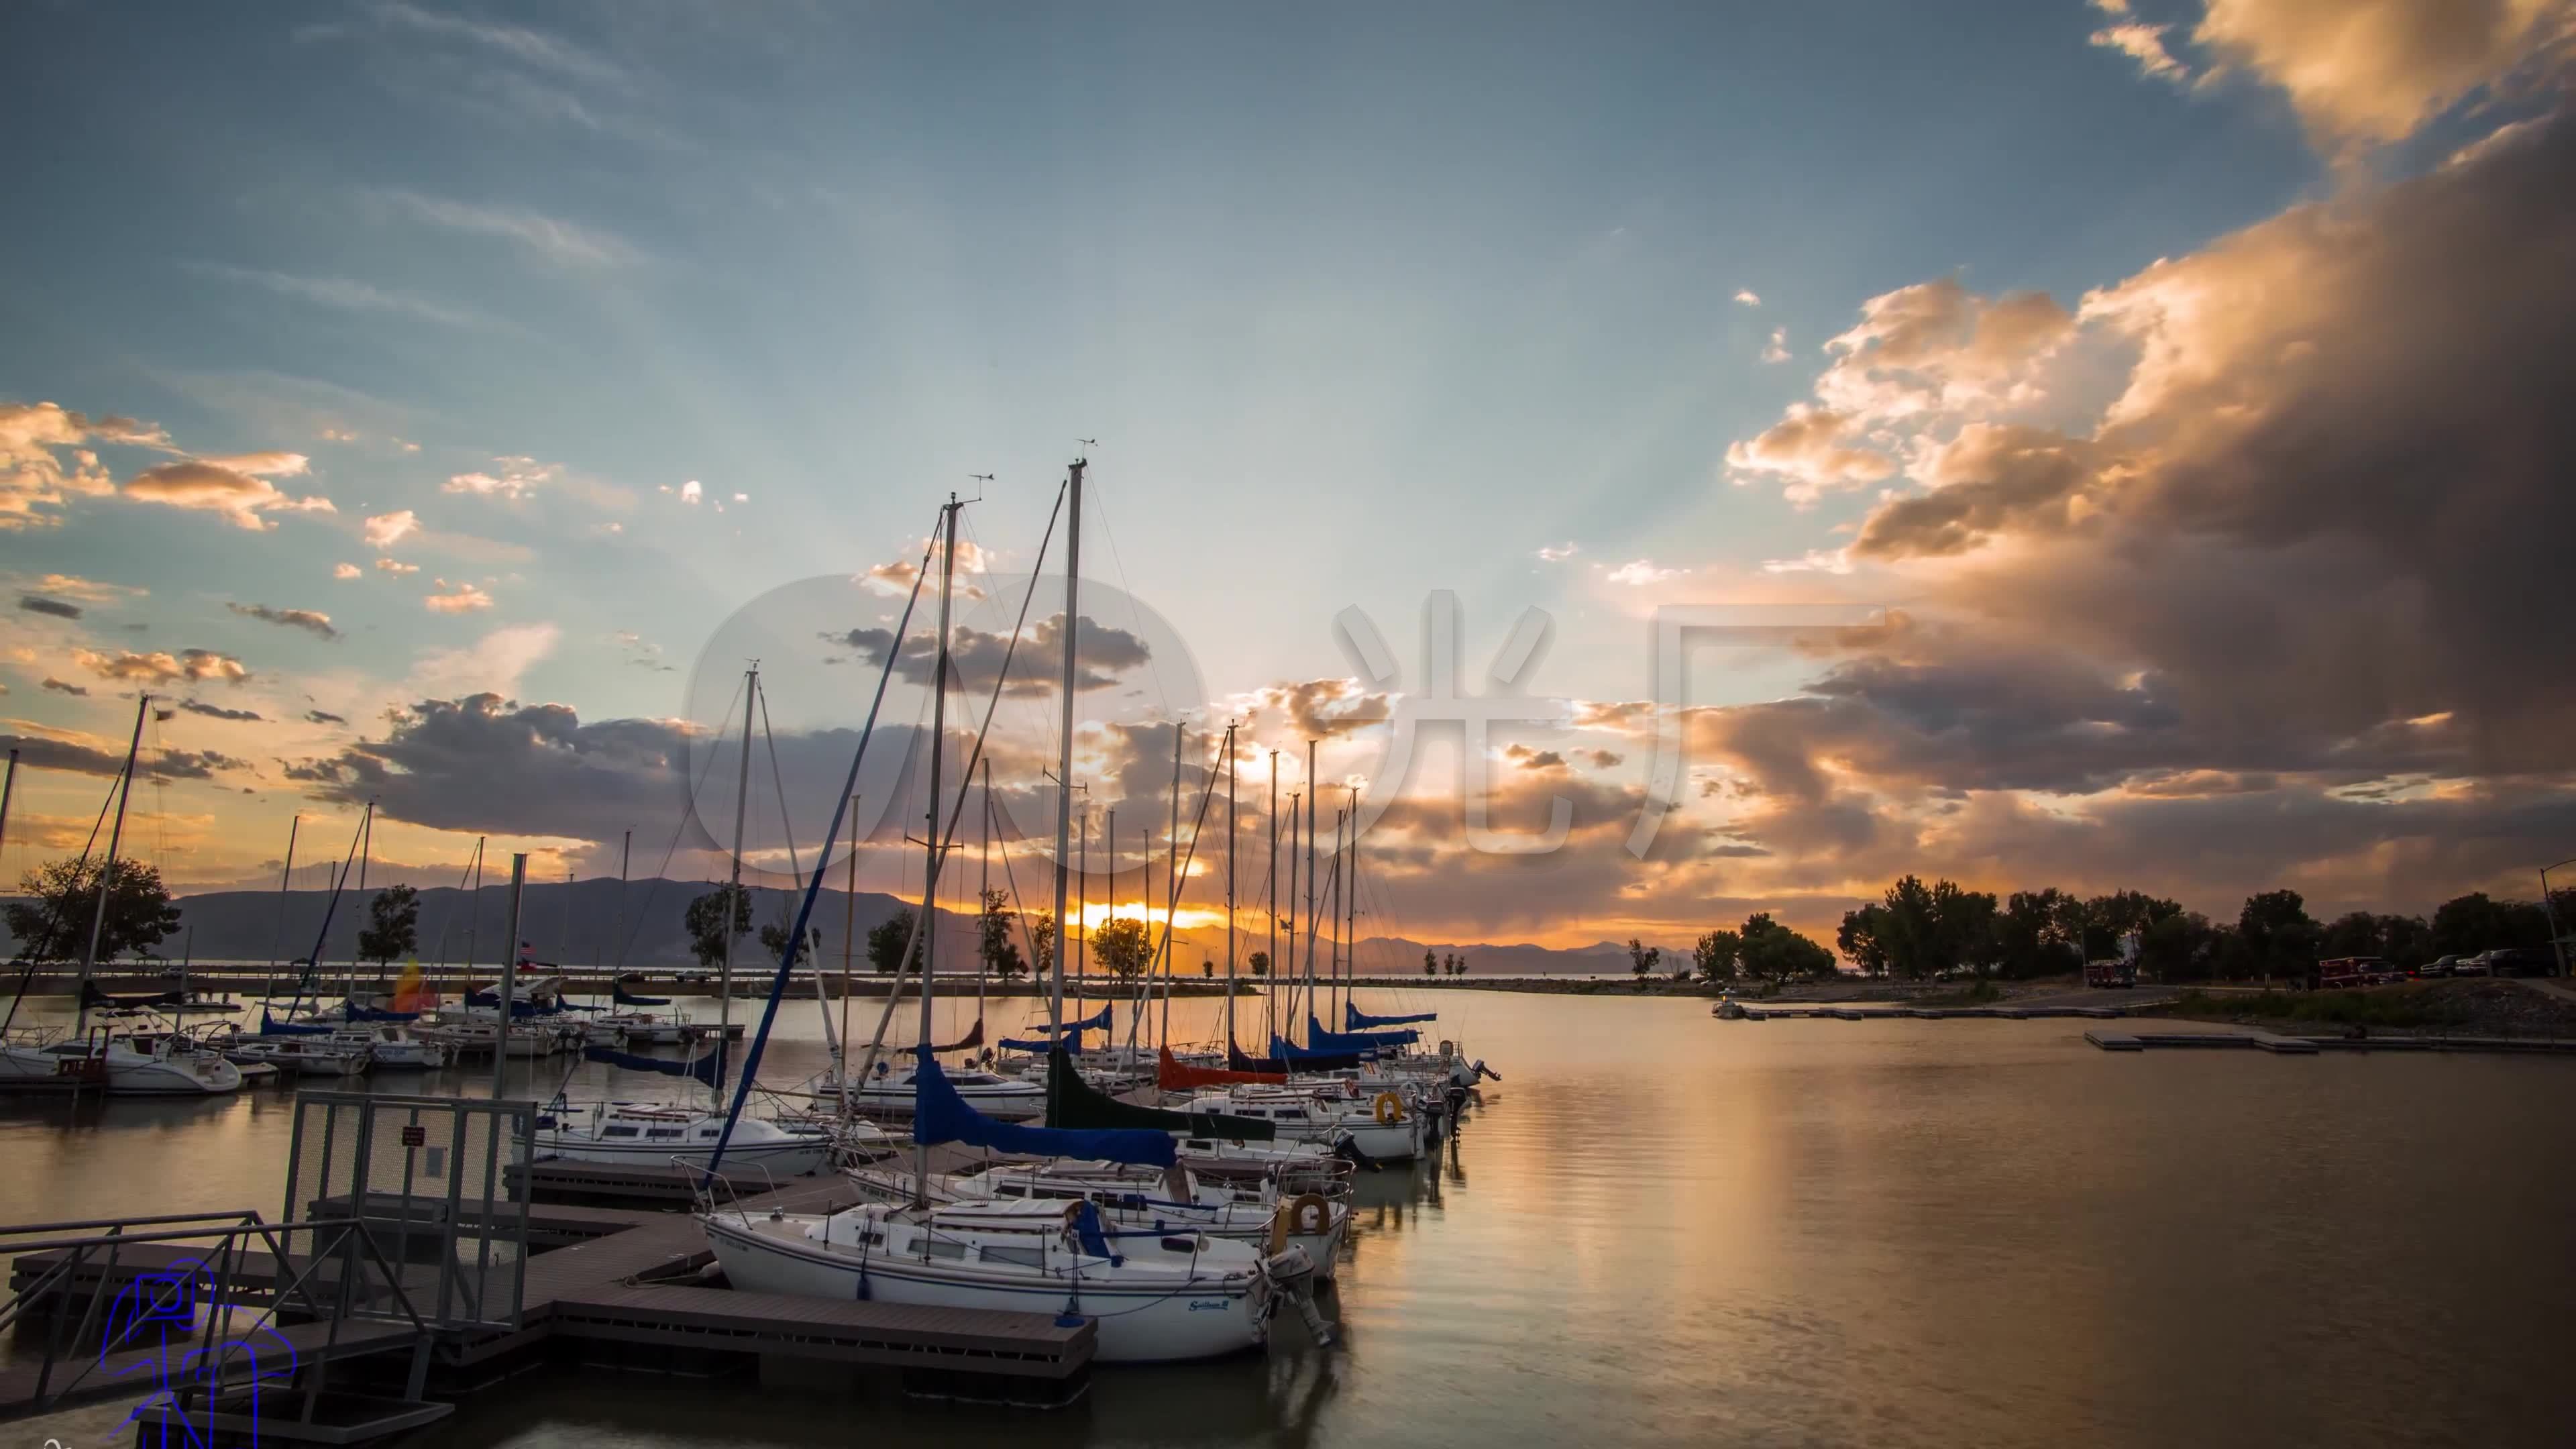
(2521,961)
(2442,966)
(2477,965)
(2345,973)
(2114,973)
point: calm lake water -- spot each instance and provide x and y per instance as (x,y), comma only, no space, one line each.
(1668,1229)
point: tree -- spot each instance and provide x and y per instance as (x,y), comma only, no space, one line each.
(773,939)
(53,925)
(2108,918)
(1430,962)
(2465,925)
(1717,955)
(1642,958)
(2279,937)
(2039,933)
(2182,947)
(1963,928)
(1861,937)
(1773,950)
(1122,946)
(993,943)
(706,924)
(1207,968)
(1042,947)
(1457,964)
(1261,963)
(886,940)
(393,925)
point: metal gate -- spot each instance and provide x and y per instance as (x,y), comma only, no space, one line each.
(430,1179)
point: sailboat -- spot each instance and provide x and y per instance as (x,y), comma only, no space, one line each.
(1156,1296)
(167,1064)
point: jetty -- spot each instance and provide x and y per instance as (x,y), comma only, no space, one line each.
(414,1264)
(2302,1046)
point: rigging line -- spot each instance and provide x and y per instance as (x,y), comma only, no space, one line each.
(786,824)
(1100,501)
(1028,703)
(965,782)
(688,806)
(54,909)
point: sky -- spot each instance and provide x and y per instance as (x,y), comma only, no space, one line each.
(2138,428)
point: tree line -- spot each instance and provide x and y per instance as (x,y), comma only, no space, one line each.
(1917,930)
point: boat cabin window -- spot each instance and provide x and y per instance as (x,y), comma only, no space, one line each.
(663,1132)
(710,1131)
(618,1132)
(942,1248)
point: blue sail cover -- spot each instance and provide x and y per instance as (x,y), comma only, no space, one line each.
(1358,1020)
(623,997)
(703,1068)
(1287,1056)
(1356,1041)
(1099,1021)
(369,1013)
(940,1115)
(270,1026)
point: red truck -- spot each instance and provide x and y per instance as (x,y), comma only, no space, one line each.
(2110,973)
(2345,973)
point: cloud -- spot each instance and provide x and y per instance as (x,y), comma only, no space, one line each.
(1814,449)
(1746,296)
(87,591)
(2144,44)
(486,763)
(1638,573)
(239,494)
(310,620)
(347,570)
(384,530)
(562,242)
(895,579)
(395,566)
(511,478)
(63,686)
(43,747)
(1937,347)
(36,480)
(39,604)
(216,711)
(533,48)
(1558,552)
(345,295)
(692,491)
(1992,476)
(126,666)
(2363,71)
(460,598)
(975,658)
(322,717)
(1777,349)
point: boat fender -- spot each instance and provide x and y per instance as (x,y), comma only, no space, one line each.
(1389,1109)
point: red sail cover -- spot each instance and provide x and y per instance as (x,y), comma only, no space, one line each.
(1174,1077)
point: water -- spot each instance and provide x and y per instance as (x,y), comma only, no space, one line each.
(1668,1229)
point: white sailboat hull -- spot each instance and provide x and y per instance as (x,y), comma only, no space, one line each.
(129,1073)
(1148,1325)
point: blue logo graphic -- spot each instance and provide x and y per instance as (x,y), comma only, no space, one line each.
(155,1316)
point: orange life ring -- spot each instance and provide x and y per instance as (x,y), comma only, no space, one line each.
(1389,1109)
(1309,1214)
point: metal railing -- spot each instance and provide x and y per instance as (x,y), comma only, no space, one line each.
(126,1304)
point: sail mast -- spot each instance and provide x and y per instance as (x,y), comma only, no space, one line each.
(285,878)
(1171,895)
(984,894)
(1270,985)
(1351,905)
(929,930)
(1312,920)
(1064,750)
(107,872)
(733,883)
(1232,838)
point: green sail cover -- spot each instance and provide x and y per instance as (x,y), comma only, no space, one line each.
(1075,1103)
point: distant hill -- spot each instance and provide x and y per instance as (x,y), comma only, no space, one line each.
(582,921)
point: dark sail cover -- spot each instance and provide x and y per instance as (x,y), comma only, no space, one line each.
(1355,1019)
(1073,1102)
(704,1068)
(940,1115)
(1356,1041)
(973,1038)
(619,994)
